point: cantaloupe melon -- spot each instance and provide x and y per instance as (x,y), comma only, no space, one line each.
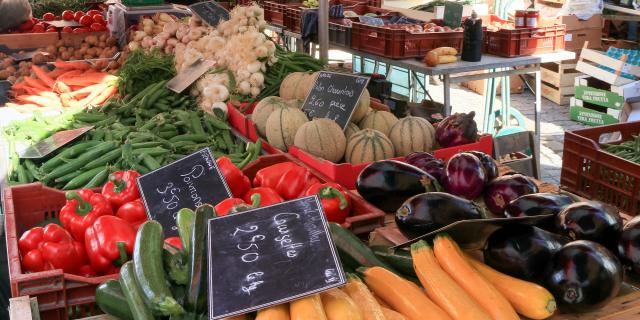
(368,145)
(412,134)
(282,126)
(351,129)
(289,85)
(322,138)
(264,109)
(295,103)
(363,108)
(382,121)
(306,85)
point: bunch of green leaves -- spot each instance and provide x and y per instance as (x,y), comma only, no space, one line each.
(40,7)
(142,69)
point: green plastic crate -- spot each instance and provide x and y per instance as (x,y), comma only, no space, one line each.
(140,3)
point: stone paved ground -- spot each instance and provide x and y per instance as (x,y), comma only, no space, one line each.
(555,120)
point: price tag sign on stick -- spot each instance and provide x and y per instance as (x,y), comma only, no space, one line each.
(268,256)
(210,12)
(189,75)
(187,183)
(334,96)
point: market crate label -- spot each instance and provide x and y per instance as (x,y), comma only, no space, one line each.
(452,14)
(210,12)
(187,183)
(268,256)
(599,97)
(334,96)
(591,117)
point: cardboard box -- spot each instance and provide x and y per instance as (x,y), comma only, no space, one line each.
(479,86)
(575,39)
(591,90)
(573,23)
(582,112)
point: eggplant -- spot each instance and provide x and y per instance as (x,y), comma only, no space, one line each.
(583,276)
(629,244)
(522,251)
(590,221)
(388,183)
(431,211)
(502,190)
(465,176)
(427,162)
(488,164)
(457,129)
(537,204)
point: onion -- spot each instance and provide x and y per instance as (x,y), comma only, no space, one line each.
(427,162)
(465,176)
(502,190)
(457,129)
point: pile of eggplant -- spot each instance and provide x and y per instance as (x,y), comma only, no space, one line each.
(578,252)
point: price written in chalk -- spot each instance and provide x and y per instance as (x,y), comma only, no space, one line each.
(334,96)
(268,256)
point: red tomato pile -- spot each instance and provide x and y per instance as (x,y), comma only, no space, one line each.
(91,21)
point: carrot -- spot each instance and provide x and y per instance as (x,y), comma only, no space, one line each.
(56,72)
(43,76)
(88,78)
(35,83)
(441,288)
(104,95)
(453,261)
(76,65)
(39,100)
(68,74)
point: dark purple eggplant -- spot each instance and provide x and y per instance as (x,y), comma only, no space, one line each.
(590,221)
(537,204)
(457,129)
(522,251)
(465,176)
(583,276)
(488,164)
(427,162)
(431,211)
(388,183)
(629,244)
(502,190)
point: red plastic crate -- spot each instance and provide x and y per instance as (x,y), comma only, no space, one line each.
(275,12)
(375,3)
(293,15)
(247,128)
(60,295)
(397,43)
(593,173)
(364,216)
(525,41)
(346,174)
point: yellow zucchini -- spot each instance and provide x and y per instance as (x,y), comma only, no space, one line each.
(279,312)
(339,306)
(307,308)
(360,294)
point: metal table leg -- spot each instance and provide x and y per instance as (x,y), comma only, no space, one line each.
(538,87)
(447,94)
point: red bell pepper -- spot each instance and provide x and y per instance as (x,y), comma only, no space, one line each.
(224,206)
(335,201)
(174,241)
(51,247)
(109,241)
(268,196)
(238,183)
(121,188)
(133,212)
(287,178)
(81,211)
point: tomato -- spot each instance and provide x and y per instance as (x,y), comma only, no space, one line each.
(86,21)
(52,29)
(48,16)
(98,18)
(92,12)
(80,30)
(78,15)
(38,27)
(27,25)
(67,29)
(96,26)
(67,15)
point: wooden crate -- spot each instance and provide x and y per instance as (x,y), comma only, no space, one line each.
(559,74)
(28,40)
(560,96)
(590,61)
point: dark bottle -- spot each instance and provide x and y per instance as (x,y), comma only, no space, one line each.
(472,45)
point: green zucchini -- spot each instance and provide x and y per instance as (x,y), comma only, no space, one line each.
(176,265)
(147,261)
(184,221)
(112,301)
(133,293)
(399,259)
(353,252)
(197,287)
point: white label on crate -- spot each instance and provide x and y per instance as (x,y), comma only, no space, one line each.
(568,37)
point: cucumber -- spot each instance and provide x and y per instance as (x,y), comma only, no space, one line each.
(197,287)
(112,301)
(133,293)
(147,262)
(353,252)
(399,259)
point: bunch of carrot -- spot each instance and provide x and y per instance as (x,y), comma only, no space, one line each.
(70,84)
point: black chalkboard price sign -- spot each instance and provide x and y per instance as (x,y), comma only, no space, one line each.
(334,96)
(269,256)
(210,12)
(187,183)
